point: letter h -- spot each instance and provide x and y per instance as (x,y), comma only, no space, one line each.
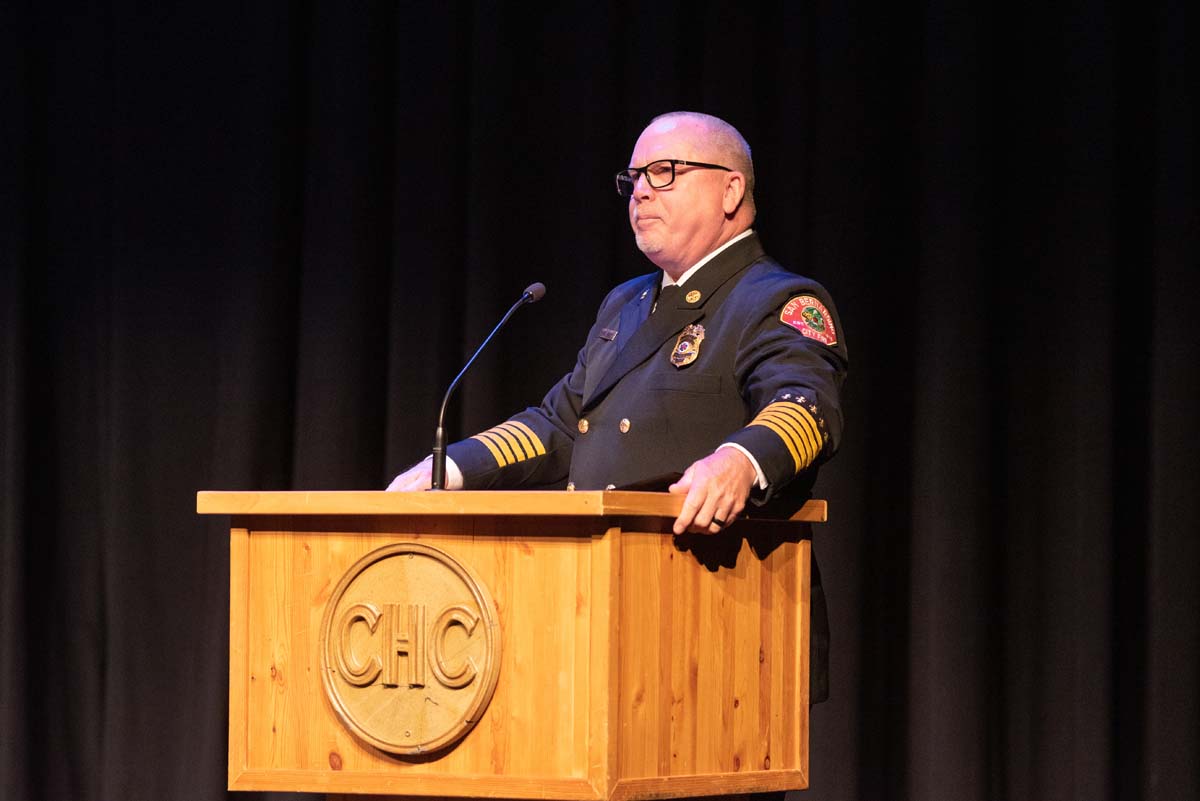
(405,640)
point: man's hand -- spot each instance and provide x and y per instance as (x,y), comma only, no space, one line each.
(415,479)
(717,487)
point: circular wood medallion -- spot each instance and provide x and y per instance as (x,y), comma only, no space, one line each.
(410,649)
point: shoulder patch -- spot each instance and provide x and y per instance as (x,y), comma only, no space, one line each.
(810,317)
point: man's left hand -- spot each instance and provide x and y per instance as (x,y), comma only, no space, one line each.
(717,487)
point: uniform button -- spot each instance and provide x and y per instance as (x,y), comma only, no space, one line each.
(583,426)
(611,487)
(570,486)
(624,425)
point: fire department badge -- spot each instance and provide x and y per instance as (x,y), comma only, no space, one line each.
(687,347)
(810,317)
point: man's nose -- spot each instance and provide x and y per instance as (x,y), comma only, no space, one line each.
(641,186)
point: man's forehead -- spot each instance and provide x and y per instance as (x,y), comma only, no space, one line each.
(678,128)
(670,132)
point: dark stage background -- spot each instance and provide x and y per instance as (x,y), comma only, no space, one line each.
(246,248)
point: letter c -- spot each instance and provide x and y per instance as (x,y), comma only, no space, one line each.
(466,672)
(360,675)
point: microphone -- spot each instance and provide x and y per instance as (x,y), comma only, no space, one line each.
(532,294)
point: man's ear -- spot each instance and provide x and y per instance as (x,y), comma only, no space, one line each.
(735,190)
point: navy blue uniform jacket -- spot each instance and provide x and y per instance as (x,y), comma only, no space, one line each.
(626,413)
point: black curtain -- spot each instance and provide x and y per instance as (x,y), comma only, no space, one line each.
(247,248)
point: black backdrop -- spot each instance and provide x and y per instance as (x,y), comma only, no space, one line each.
(247,248)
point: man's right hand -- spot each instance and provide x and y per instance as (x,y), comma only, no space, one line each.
(419,477)
(415,479)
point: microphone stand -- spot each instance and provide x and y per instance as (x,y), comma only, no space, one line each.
(532,294)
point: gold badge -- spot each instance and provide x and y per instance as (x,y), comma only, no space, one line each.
(692,296)
(687,347)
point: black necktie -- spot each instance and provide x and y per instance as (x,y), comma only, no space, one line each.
(668,297)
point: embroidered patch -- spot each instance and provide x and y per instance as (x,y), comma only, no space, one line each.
(810,317)
(687,347)
(608,334)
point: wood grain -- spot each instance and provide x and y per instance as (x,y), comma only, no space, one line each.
(629,669)
(713,666)
(239,636)
(587,504)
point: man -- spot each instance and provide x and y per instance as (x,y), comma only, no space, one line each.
(723,366)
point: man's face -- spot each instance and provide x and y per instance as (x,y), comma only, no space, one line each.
(678,225)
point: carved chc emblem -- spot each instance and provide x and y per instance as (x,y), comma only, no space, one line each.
(410,649)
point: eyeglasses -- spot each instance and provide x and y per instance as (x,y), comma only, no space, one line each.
(659,174)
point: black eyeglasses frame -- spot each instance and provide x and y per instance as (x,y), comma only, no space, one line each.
(627,178)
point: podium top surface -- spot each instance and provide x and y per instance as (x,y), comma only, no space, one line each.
(514,503)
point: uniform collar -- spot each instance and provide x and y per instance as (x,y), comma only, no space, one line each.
(666,279)
(724,265)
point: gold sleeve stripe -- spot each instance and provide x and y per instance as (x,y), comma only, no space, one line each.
(506,452)
(519,436)
(499,457)
(815,434)
(796,433)
(802,421)
(538,448)
(793,424)
(808,426)
(511,442)
(783,435)
(801,415)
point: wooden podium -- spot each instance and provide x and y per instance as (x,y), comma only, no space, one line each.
(625,663)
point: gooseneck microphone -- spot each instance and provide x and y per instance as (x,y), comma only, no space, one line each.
(532,294)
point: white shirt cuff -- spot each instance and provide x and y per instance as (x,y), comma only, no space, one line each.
(454,477)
